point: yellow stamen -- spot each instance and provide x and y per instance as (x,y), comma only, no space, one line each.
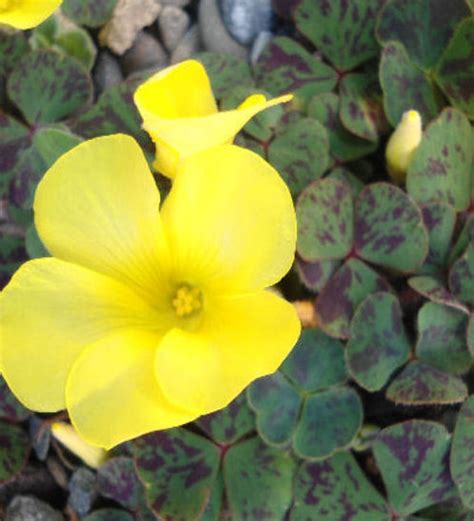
(187,300)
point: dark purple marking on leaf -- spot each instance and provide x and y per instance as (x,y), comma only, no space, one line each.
(421,384)
(14,450)
(47,86)
(435,290)
(178,469)
(389,228)
(413,458)
(336,488)
(10,408)
(461,276)
(285,66)
(343,293)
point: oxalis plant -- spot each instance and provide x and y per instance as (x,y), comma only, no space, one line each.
(364,109)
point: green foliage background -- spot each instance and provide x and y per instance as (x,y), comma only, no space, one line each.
(370,418)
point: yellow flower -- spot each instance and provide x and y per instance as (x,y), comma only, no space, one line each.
(25,14)
(402,145)
(180,114)
(145,319)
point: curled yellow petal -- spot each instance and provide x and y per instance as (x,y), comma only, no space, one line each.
(67,435)
(402,145)
(25,14)
(180,114)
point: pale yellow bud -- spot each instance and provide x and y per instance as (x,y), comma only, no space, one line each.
(402,145)
(67,435)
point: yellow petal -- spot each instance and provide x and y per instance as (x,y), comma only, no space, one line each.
(402,145)
(68,436)
(187,136)
(98,206)
(180,91)
(230,222)
(49,311)
(241,339)
(183,120)
(112,394)
(25,14)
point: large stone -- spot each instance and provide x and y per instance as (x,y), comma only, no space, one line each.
(146,53)
(28,508)
(214,34)
(245,19)
(188,46)
(129,17)
(173,23)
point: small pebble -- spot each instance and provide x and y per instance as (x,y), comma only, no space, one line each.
(107,72)
(146,53)
(129,17)
(214,34)
(82,491)
(28,508)
(245,19)
(188,46)
(173,23)
(178,3)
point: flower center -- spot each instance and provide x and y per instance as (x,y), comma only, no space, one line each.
(187,300)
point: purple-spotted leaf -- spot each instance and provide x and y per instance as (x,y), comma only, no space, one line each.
(178,469)
(342,174)
(405,86)
(214,505)
(450,510)
(440,170)
(343,31)
(13,45)
(348,287)
(470,335)
(114,112)
(300,153)
(277,404)
(118,480)
(439,219)
(424,27)
(325,220)
(461,276)
(462,453)
(413,458)
(258,480)
(434,289)
(10,408)
(89,12)
(285,66)
(12,255)
(109,514)
(464,238)
(378,343)
(361,109)
(47,86)
(226,72)
(230,424)
(316,362)
(329,422)
(344,146)
(421,384)
(14,450)
(48,145)
(336,489)
(389,228)
(442,338)
(315,275)
(456,68)
(14,139)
